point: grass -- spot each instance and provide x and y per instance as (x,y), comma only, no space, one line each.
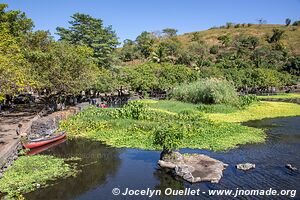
(106,125)
(206,91)
(258,111)
(282,96)
(30,172)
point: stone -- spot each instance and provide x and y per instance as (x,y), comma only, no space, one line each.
(245,166)
(194,167)
(290,167)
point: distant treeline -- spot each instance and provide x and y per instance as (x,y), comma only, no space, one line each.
(86,57)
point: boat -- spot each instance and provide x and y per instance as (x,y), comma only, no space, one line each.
(40,149)
(34,143)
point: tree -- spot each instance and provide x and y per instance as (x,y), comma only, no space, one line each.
(65,68)
(89,31)
(129,51)
(288,21)
(159,55)
(296,23)
(293,65)
(170,32)
(169,137)
(14,76)
(262,21)
(229,24)
(145,42)
(171,48)
(14,21)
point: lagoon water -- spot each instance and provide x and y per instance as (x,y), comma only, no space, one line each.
(104,168)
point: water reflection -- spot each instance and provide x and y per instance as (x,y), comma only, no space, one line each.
(97,163)
(104,168)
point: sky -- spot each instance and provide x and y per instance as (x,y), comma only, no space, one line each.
(130,17)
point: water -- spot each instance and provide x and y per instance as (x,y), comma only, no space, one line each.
(104,168)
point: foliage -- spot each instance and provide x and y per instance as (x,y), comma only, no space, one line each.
(281,96)
(31,172)
(150,77)
(277,35)
(14,76)
(225,40)
(207,91)
(15,21)
(288,21)
(190,128)
(170,32)
(296,23)
(216,108)
(247,100)
(60,69)
(259,111)
(145,42)
(169,136)
(88,31)
(132,110)
(293,66)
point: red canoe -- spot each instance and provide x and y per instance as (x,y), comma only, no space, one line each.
(43,141)
(45,147)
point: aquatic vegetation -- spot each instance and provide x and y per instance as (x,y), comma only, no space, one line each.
(31,172)
(281,96)
(118,127)
(258,111)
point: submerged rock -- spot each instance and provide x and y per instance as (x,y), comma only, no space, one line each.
(194,167)
(245,166)
(290,167)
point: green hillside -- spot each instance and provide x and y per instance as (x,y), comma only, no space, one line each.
(291,38)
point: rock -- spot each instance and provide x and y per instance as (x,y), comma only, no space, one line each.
(245,166)
(290,167)
(194,167)
(38,185)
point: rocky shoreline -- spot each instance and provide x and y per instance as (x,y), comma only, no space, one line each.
(38,125)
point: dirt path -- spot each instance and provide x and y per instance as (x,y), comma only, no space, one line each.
(8,125)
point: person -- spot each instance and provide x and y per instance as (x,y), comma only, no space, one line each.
(18,130)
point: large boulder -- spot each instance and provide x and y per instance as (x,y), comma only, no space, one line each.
(193,167)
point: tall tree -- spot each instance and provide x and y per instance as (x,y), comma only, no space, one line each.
(14,76)
(64,68)
(89,31)
(145,42)
(14,21)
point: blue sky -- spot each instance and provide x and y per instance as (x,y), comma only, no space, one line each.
(130,17)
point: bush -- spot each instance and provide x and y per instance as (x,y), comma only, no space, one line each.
(132,110)
(168,136)
(207,91)
(214,49)
(246,100)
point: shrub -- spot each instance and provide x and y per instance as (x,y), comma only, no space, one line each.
(246,100)
(207,91)
(132,110)
(214,49)
(168,136)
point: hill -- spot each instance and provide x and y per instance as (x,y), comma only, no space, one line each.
(291,38)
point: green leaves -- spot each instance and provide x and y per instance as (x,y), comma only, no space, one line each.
(89,31)
(30,171)
(169,136)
